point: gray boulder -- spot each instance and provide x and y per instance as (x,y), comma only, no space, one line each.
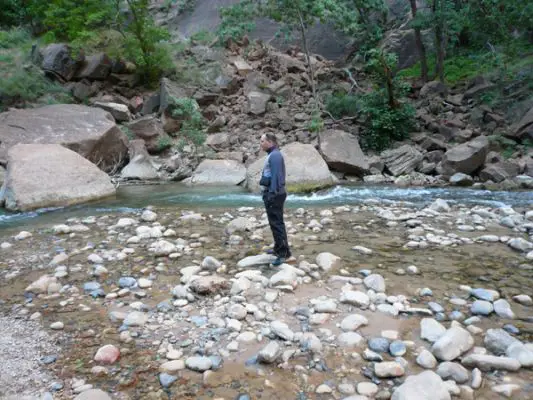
(402,160)
(306,169)
(524,128)
(57,60)
(90,132)
(257,102)
(342,153)
(460,179)
(466,158)
(95,67)
(150,130)
(424,386)
(50,175)
(454,342)
(141,165)
(499,172)
(218,172)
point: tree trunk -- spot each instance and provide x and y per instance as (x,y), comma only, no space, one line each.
(439,38)
(308,59)
(420,45)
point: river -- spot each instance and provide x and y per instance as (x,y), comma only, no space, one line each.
(177,195)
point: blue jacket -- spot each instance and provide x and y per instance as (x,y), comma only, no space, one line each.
(273,176)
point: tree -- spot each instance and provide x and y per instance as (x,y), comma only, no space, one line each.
(419,42)
(143,41)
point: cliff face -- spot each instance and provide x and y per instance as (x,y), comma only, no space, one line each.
(324,40)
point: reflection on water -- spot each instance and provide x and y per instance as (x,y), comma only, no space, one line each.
(134,197)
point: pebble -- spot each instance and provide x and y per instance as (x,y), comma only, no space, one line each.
(57,326)
(388,369)
(167,380)
(367,388)
(379,345)
(199,364)
(426,360)
(482,307)
(397,348)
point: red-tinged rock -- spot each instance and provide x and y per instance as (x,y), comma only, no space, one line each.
(107,354)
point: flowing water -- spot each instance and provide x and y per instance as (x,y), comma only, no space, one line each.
(178,195)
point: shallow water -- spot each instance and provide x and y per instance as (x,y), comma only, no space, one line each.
(443,269)
(130,198)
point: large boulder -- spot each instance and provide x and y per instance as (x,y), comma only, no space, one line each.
(500,171)
(50,175)
(95,67)
(524,128)
(403,160)
(306,169)
(57,60)
(426,385)
(90,132)
(141,165)
(218,172)
(341,151)
(150,130)
(466,158)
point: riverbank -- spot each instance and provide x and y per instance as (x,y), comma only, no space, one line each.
(142,300)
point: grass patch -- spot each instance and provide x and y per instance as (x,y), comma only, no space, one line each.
(461,67)
(13,38)
(21,82)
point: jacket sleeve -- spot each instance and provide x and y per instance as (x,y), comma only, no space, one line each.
(275,162)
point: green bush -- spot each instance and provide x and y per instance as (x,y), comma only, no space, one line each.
(383,124)
(341,105)
(14,38)
(193,122)
(28,84)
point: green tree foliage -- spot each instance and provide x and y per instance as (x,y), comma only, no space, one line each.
(193,122)
(143,41)
(386,118)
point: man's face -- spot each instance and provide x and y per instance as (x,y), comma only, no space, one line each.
(265,143)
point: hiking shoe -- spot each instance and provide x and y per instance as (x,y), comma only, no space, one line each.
(278,261)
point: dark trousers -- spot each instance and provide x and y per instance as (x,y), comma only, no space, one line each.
(274,209)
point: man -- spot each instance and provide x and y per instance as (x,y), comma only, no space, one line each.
(274,195)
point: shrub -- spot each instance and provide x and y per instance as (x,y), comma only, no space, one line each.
(14,38)
(341,105)
(193,122)
(383,124)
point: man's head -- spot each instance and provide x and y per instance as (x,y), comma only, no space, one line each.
(268,140)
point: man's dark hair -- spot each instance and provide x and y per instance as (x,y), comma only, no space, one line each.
(271,138)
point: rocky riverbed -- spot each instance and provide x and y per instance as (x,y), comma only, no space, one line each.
(381,302)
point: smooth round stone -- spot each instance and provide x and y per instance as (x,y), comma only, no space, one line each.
(144,283)
(397,348)
(511,329)
(379,345)
(365,272)
(458,302)
(456,315)
(91,286)
(57,326)
(367,389)
(243,396)
(435,307)
(426,292)
(216,362)
(413,270)
(483,294)
(48,359)
(198,363)
(482,307)
(346,388)
(324,389)
(167,380)
(127,282)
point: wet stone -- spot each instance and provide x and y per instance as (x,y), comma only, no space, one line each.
(167,380)
(397,348)
(379,345)
(482,307)
(435,307)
